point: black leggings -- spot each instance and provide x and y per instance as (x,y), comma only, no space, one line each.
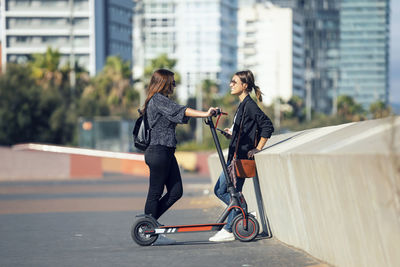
(164,170)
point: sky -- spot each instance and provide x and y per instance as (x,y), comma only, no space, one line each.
(395,52)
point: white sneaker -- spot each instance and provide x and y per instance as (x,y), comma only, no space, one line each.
(163,240)
(222,236)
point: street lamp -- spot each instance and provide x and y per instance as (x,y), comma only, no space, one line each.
(335,78)
(309,75)
(72,78)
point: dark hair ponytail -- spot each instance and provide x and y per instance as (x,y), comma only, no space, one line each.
(247,77)
(258,93)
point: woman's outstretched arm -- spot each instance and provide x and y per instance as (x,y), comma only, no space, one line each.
(199,114)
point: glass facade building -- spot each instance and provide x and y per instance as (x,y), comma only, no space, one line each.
(364,50)
(321,44)
(207,43)
(322,50)
(200,34)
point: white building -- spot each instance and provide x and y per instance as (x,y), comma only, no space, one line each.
(100,28)
(154,32)
(200,34)
(270,43)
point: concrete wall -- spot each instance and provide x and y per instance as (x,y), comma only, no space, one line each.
(334,192)
(41,162)
(19,165)
(38,162)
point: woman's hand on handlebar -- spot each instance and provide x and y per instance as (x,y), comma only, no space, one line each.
(212,111)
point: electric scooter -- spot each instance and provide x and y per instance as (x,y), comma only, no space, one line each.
(245,226)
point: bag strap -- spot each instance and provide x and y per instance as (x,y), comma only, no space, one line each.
(144,114)
(240,129)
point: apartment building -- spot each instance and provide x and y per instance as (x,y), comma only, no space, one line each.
(200,34)
(84,31)
(271,44)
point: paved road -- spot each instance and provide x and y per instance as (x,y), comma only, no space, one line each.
(87,223)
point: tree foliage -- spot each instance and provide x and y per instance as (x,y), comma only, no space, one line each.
(30,113)
(110,92)
(379,110)
(297,109)
(160,62)
(349,110)
(41,95)
(37,103)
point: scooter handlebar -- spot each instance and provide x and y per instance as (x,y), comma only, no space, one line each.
(217,112)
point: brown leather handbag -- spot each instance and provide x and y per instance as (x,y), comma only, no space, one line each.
(242,168)
(245,168)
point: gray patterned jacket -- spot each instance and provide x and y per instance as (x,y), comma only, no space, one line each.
(163,115)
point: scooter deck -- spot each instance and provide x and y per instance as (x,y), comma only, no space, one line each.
(171,229)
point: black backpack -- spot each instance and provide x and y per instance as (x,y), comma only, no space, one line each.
(141,132)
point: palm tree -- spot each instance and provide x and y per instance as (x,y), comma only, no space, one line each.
(348,109)
(45,68)
(379,109)
(160,62)
(110,92)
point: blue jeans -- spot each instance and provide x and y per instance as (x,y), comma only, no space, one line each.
(221,192)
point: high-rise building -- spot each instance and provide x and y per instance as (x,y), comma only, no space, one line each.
(200,34)
(271,44)
(207,42)
(364,50)
(247,3)
(99,28)
(154,32)
(321,43)
(286,3)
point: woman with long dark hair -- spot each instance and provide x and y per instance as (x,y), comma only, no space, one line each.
(255,131)
(163,115)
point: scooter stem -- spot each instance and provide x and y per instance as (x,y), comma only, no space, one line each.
(210,123)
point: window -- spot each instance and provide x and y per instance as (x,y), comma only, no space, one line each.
(21,39)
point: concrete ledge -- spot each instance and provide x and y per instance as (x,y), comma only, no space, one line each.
(37,162)
(85,166)
(22,165)
(333,192)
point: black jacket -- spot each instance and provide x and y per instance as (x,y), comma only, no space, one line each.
(254,121)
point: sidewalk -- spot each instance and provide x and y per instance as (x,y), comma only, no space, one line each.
(87,223)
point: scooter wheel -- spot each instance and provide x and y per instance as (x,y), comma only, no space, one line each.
(138,232)
(245,234)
